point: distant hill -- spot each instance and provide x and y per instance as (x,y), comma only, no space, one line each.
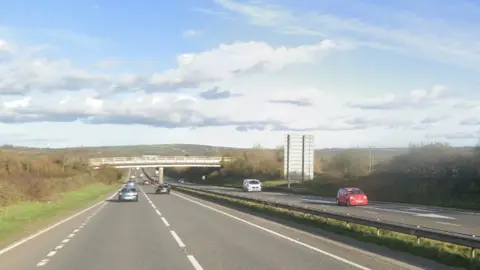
(199,150)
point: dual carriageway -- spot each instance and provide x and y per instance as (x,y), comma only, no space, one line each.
(178,231)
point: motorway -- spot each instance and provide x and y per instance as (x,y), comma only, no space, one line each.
(177,231)
(432,217)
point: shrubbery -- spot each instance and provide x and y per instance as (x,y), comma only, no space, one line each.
(40,176)
(429,174)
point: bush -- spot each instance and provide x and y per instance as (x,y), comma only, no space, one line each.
(436,173)
(41,176)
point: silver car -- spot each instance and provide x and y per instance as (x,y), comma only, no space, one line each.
(128,194)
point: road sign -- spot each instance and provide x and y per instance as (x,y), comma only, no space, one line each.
(298,157)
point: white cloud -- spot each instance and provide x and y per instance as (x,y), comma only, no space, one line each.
(234,94)
(191,33)
(108,63)
(403,31)
(418,98)
(224,62)
(5,46)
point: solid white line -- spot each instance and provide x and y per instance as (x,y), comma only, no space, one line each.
(276,234)
(177,238)
(410,213)
(194,262)
(24,240)
(447,223)
(370,212)
(165,221)
(158,212)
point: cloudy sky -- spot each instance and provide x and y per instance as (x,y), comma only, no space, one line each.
(238,72)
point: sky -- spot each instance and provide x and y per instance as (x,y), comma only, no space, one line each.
(353,73)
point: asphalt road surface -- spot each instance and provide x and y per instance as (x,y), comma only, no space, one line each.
(177,231)
(432,217)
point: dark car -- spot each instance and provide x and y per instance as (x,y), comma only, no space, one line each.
(128,194)
(163,188)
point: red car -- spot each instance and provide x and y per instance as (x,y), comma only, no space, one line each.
(351,196)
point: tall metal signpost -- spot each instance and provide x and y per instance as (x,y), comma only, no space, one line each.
(298,157)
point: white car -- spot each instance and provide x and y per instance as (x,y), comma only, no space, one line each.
(252,185)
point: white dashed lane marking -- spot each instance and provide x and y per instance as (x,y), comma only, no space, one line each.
(194,262)
(175,236)
(276,233)
(69,237)
(165,222)
(42,262)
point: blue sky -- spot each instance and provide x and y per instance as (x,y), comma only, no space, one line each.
(239,73)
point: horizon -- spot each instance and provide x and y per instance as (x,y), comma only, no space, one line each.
(351,73)
(219,146)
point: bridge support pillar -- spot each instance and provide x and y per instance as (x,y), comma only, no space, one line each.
(160,175)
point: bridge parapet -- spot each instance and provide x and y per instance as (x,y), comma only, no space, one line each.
(159,160)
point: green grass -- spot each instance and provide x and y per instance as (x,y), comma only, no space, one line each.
(326,188)
(449,254)
(20,218)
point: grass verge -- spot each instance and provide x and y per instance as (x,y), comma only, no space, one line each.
(23,217)
(449,254)
(329,189)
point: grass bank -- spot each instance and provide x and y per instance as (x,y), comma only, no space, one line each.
(23,217)
(449,254)
(325,188)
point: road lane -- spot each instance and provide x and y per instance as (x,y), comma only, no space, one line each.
(27,255)
(123,236)
(435,218)
(222,242)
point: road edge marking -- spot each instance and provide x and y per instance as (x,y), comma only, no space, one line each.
(69,237)
(32,236)
(328,254)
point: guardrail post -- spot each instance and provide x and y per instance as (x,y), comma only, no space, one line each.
(418,240)
(473,253)
(378,231)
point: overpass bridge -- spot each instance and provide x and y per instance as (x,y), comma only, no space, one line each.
(159,161)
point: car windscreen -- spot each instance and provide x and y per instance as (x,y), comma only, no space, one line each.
(254,182)
(355,191)
(164,186)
